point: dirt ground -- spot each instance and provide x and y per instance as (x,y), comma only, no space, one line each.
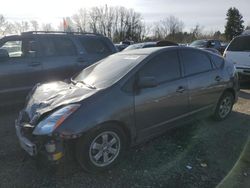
(196,155)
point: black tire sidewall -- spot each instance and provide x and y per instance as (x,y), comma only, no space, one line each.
(83,144)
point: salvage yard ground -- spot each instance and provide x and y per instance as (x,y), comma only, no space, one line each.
(196,155)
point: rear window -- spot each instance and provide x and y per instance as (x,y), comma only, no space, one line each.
(195,62)
(240,44)
(217,60)
(95,45)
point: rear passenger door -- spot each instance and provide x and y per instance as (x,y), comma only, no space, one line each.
(59,57)
(204,80)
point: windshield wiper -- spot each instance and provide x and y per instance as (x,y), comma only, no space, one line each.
(82,82)
(73,81)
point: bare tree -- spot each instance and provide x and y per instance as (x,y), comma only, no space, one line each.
(197,31)
(19,27)
(5,26)
(168,28)
(81,20)
(34,25)
(175,25)
(93,19)
(47,27)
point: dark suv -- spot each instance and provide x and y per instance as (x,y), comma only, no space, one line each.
(123,100)
(34,57)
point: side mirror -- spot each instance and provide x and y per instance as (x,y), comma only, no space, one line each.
(3,54)
(147,82)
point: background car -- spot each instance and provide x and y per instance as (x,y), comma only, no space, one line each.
(123,100)
(34,57)
(238,51)
(121,47)
(208,43)
(212,50)
(150,44)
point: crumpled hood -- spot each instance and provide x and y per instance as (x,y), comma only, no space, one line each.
(46,97)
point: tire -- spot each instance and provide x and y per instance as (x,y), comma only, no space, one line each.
(100,149)
(224,106)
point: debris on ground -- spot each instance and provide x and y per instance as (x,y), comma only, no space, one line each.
(189,167)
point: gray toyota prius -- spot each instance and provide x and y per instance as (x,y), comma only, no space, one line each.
(123,100)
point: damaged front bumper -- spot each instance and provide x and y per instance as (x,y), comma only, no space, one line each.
(52,148)
(25,143)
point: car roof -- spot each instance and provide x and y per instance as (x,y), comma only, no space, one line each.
(148,51)
(142,51)
(55,33)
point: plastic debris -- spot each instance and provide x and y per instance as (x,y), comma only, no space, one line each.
(189,167)
(204,165)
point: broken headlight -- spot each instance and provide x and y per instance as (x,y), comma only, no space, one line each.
(49,124)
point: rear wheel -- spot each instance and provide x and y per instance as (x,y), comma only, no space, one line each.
(224,106)
(99,150)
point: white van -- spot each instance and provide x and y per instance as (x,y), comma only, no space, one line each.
(238,51)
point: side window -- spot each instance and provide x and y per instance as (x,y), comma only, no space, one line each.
(48,47)
(20,48)
(241,43)
(195,62)
(58,47)
(14,48)
(64,47)
(164,67)
(94,45)
(217,60)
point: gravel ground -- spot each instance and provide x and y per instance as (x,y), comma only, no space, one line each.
(195,155)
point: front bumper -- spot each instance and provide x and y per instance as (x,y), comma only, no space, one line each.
(25,143)
(52,148)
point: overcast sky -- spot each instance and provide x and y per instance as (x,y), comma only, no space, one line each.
(208,13)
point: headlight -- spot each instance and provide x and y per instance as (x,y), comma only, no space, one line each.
(53,121)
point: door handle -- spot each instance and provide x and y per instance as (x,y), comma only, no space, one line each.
(34,64)
(218,78)
(180,89)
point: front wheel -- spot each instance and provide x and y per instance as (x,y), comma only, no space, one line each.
(224,106)
(99,150)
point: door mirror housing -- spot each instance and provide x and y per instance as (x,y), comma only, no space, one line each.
(4,55)
(147,82)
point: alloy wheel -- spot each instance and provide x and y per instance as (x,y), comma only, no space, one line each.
(104,149)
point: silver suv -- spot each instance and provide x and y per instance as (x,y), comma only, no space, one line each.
(238,51)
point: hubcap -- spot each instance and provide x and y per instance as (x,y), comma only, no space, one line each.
(104,149)
(225,107)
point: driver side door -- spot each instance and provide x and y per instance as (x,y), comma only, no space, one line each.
(157,107)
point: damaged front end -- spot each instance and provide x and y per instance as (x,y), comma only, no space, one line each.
(48,106)
(40,139)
